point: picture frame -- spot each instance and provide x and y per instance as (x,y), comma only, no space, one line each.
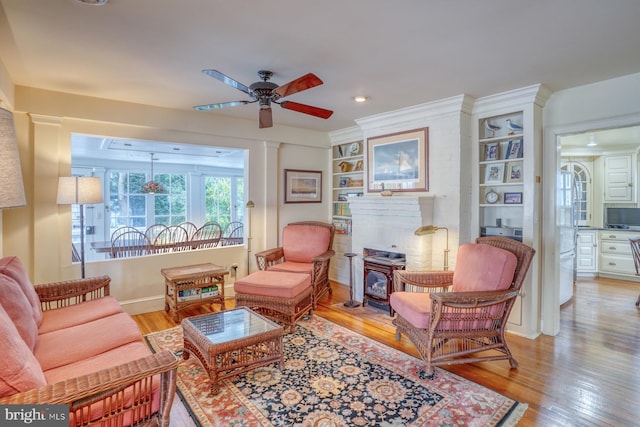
(359,165)
(398,161)
(342,197)
(344,181)
(514,149)
(302,186)
(494,173)
(513,198)
(491,151)
(514,172)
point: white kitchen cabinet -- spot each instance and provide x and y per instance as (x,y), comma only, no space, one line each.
(587,252)
(619,178)
(615,259)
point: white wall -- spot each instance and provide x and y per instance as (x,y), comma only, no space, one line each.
(606,104)
(39,233)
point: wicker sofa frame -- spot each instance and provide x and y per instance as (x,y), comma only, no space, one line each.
(106,386)
(468,339)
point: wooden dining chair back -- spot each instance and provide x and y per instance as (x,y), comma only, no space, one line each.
(207,236)
(190,227)
(235,236)
(172,239)
(153,231)
(130,244)
(467,323)
(118,231)
(635,251)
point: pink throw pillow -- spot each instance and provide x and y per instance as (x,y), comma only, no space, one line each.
(19,369)
(12,267)
(18,309)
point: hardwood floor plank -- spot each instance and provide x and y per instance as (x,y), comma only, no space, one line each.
(587,375)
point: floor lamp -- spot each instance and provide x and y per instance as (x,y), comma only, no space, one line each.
(432,229)
(79,190)
(250,205)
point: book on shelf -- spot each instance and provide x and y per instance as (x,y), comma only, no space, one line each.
(343,226)
(341,209)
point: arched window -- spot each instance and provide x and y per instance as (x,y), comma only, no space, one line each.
(581,193)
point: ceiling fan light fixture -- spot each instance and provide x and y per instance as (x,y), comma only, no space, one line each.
(94,2)
(360,98)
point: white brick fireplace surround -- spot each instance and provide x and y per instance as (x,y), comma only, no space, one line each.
(388,223)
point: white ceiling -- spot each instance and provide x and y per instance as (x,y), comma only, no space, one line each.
(399,53)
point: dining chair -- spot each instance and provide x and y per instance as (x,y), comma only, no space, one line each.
(172,239)
(118,231)
(130,244)
(190,227)
(207,236)
(153,231)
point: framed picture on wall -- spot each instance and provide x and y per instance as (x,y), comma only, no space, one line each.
(398,161)
(302,186)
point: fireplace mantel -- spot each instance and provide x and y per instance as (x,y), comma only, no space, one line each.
(388,223)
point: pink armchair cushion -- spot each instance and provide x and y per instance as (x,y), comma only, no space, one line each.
(302,243)
(292,267)
(12,267)
(19,310)
(414,307)
(482,267)
(273,284)
(19,369)
(77,314)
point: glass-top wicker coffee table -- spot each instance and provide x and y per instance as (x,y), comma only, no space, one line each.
(232,342)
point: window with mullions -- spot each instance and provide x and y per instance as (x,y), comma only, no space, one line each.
(170,207)
(130,206)
(224,199)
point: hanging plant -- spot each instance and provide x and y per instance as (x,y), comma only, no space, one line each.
(152,187)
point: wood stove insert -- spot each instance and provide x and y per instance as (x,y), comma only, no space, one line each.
(378,276)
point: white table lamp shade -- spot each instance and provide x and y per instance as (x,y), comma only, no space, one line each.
(11,186)
(80,190)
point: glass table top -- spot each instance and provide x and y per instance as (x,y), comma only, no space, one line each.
(231,325)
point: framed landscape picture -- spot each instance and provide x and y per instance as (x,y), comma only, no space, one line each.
(512,198)
(302,186)
(398,161)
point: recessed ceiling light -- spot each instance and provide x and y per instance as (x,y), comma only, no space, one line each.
(93,2)
(360,98)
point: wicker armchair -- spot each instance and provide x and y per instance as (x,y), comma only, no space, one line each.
(306,248)
(468,324)
(106,388)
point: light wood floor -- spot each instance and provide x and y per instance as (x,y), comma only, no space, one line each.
(584,376)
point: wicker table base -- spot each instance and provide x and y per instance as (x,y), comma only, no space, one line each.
(232,342)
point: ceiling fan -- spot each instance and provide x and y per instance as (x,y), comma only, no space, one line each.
(265,92)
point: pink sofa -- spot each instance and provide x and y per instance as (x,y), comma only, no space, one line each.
(71,343)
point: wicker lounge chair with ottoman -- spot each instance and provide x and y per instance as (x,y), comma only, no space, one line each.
(306,248)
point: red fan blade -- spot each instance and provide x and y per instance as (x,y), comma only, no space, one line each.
(307,109)
(227,80)
(221,105)
(266,118)
(303,83)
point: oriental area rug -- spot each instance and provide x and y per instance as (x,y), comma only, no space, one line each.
(335,377)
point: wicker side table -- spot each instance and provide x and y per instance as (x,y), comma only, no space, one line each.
(193,285)
(232,342)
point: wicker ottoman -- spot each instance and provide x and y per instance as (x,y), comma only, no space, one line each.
(281,296)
